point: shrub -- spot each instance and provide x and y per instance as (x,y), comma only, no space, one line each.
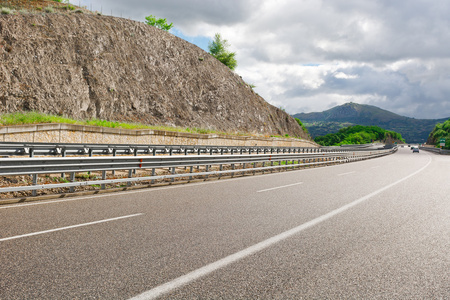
(6,11)
(49,9)
(68,7)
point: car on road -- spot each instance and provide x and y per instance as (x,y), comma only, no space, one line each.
(416,149)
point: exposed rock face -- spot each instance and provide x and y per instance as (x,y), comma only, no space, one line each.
(89,66)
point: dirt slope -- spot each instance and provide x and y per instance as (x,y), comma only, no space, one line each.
(90,66)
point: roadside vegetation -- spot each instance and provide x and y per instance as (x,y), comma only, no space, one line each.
(356,135)
(302,125)
(441,131)
(32,117)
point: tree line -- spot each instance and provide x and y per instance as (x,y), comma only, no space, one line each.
(358,134)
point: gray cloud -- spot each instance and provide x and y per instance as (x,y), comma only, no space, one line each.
(309,55)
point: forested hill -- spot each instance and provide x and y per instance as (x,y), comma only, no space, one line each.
(441,131)
(330,121)
(355,135)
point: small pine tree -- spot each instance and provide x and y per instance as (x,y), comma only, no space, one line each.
(218,49)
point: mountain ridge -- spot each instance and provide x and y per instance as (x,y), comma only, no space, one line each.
(331,120)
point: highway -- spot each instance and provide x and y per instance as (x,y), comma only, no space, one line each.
(374,229)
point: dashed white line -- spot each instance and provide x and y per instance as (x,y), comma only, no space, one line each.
(279,187)
(203,271)
(67,227)
(342,174)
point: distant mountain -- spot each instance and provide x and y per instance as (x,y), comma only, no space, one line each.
(330,121)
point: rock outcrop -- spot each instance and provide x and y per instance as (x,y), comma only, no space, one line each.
(91,66)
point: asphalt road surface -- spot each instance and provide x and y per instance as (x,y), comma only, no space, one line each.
(376,229)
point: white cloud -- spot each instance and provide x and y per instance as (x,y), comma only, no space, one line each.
(309,55)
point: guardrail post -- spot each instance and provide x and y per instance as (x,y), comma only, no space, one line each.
(90,155)
(35,180)
(135,154)
(63,154)
(114,153)
(72,179)
(153,174)
(103,186)
(173,173)
(130,175)
(191,169)
(207,170)
(232,168)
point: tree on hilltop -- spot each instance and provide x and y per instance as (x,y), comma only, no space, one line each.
(218,48)
(158,23)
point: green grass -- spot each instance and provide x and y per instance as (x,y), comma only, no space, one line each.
(22,118)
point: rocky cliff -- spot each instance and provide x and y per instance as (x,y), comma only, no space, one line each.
(91,66)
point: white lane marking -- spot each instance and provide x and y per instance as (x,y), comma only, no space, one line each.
(203,271)
(279,187)
(342,174)
(67,227)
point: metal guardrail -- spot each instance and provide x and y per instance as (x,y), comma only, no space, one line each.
(36,166)
(436,150)
(71,149)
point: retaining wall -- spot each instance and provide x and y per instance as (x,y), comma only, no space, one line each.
(70,133)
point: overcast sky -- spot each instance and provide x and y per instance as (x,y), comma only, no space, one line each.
(311,55)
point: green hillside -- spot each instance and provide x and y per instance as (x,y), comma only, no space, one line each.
(355,135)
(440,131)
(329,121)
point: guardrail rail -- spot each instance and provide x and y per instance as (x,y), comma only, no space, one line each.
(436,150)
(179,161)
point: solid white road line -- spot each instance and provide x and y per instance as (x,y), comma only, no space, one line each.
(342,174)
(279,187)
(67,227)
(203,271)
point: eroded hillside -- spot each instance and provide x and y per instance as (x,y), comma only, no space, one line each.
(91,66)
